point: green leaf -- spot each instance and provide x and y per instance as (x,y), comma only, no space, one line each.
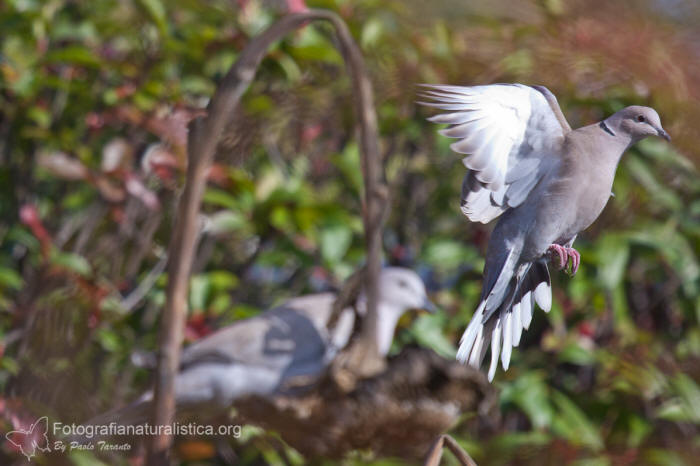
(675,248)
(335,241)
(574,353)
(322,53)
(9,364)
(347,162)
(226,221)
(73,54)
(638,428)
(312,45)
(660,457)
(600,461)
(519,440)
(447,254)
(9,278)
(518,63)
(290,67)
(662,195)
(572,423)
(685,406)
(665,153)
(197,85)
(612,252)
(428,331)
(109,340)
(200,286)
(73,262)
(222,280)
(531,394)
(156,11)
(371,32)
(220,198)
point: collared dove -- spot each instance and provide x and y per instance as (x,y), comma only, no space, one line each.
(279,349)
(547,183)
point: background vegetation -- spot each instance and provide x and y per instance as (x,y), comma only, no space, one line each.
(94,101)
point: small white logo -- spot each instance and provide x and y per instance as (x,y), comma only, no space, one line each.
(29,441)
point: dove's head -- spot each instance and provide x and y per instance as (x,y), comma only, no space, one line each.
(400,290)
(403,289)
(639,122)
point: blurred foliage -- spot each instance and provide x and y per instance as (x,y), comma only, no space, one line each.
(94,101)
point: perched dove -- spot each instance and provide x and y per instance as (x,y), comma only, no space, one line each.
(547,183)
(278,350)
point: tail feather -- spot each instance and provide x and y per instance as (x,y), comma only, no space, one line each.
(504,312)
(473,335)
(507,319)
(517,324)
(527,305)
(495,348)
(479,350)
(543,288)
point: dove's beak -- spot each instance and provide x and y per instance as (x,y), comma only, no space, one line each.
(429,306)
(663,134)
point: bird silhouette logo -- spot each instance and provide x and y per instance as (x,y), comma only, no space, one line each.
(33,439)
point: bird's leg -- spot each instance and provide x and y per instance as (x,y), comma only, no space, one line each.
(575,259)
(561,253)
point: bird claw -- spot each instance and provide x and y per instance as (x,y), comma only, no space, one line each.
(563,254)
(575,260)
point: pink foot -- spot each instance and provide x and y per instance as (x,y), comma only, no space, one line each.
(563,255)
(575,260)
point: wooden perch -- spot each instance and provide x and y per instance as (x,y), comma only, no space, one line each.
(397,413)
(203,139)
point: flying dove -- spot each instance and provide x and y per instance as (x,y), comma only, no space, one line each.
(279,349)
(544,180)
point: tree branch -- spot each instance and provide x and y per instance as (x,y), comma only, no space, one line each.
(435,453)
(204,136)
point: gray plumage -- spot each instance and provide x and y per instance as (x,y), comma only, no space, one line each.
(279,350)
(544,180)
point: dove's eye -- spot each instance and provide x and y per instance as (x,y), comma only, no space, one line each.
(641,119)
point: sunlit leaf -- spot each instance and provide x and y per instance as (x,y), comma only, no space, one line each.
(428,331)
(335,241)
(70,261)
(9,278)
(572,423)
(613,254)
(531,394)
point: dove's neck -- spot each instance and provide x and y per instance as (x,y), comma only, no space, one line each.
(620,139)
(387,317)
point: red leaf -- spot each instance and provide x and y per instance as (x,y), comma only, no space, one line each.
(29,215)
(296,6)
(197,327)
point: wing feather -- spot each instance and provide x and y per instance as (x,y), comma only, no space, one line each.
(509,133)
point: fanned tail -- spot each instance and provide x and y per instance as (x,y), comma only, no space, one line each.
(505,311)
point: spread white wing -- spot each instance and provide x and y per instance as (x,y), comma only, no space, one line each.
(510,133)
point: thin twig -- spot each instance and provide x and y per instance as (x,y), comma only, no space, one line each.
(435,453)
(204,136)
(135,297)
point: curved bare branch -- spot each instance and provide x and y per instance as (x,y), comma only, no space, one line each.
(204,136)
